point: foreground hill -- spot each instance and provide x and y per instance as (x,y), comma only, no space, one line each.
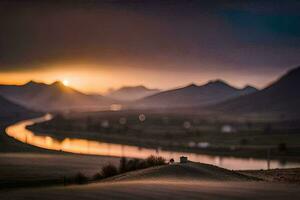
(179,181)
(40,96)
(192,95)
(189,171)
(131,93)
(282,97)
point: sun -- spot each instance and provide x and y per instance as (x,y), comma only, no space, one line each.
(66,82)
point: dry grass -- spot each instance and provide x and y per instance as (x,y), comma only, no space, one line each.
(276,175)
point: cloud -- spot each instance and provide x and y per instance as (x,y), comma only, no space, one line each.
(154,35)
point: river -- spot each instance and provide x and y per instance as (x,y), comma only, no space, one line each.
(91,147)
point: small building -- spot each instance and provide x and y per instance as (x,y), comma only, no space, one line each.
(183,159)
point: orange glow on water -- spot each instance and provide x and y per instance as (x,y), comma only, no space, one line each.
(90,147)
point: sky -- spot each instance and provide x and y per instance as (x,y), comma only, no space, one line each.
(98,45)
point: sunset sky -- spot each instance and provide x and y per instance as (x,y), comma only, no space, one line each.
(97,45)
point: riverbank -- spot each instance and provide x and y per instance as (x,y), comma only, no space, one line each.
(52,168)
(24,165)
(9,145)
(240,151)
(31,169)
(260,139)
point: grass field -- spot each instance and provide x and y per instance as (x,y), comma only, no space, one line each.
(27,172)
(36,169)
(22,165)
(179,181)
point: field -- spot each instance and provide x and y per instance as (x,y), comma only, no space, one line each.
(27,172)
(186,132)
(178,181)
(22,165)
(40,169)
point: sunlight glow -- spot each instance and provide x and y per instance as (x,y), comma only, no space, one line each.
(66,82)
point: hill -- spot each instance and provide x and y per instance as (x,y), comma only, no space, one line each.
(192,95)
(131,93)
(56,96)
(188,181)
(281,97)
(186,171)
(10,110)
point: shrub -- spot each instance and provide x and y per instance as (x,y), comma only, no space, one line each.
(80,178)
(282,147)
(123,165)
(141,164)
(155,161)
(243,141)
(109,170)
(129,165)
(133,164)
(98,176)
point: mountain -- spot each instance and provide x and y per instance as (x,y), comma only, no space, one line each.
(248,90)
(56,96)
(192,95)
(132,93)
(282,96)
(10,110)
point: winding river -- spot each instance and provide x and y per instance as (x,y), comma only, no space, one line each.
(91,147)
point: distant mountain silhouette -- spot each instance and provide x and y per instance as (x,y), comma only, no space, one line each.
(192,95)
(282,96)
(44,97)
(248,90)
(9,109)
(132,93)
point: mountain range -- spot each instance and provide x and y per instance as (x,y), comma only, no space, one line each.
(282,96)
(131,93)
(53,97)
(193,95)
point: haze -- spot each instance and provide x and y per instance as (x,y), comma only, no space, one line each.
(107,44)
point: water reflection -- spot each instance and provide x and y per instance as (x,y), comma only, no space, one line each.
(83,146)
